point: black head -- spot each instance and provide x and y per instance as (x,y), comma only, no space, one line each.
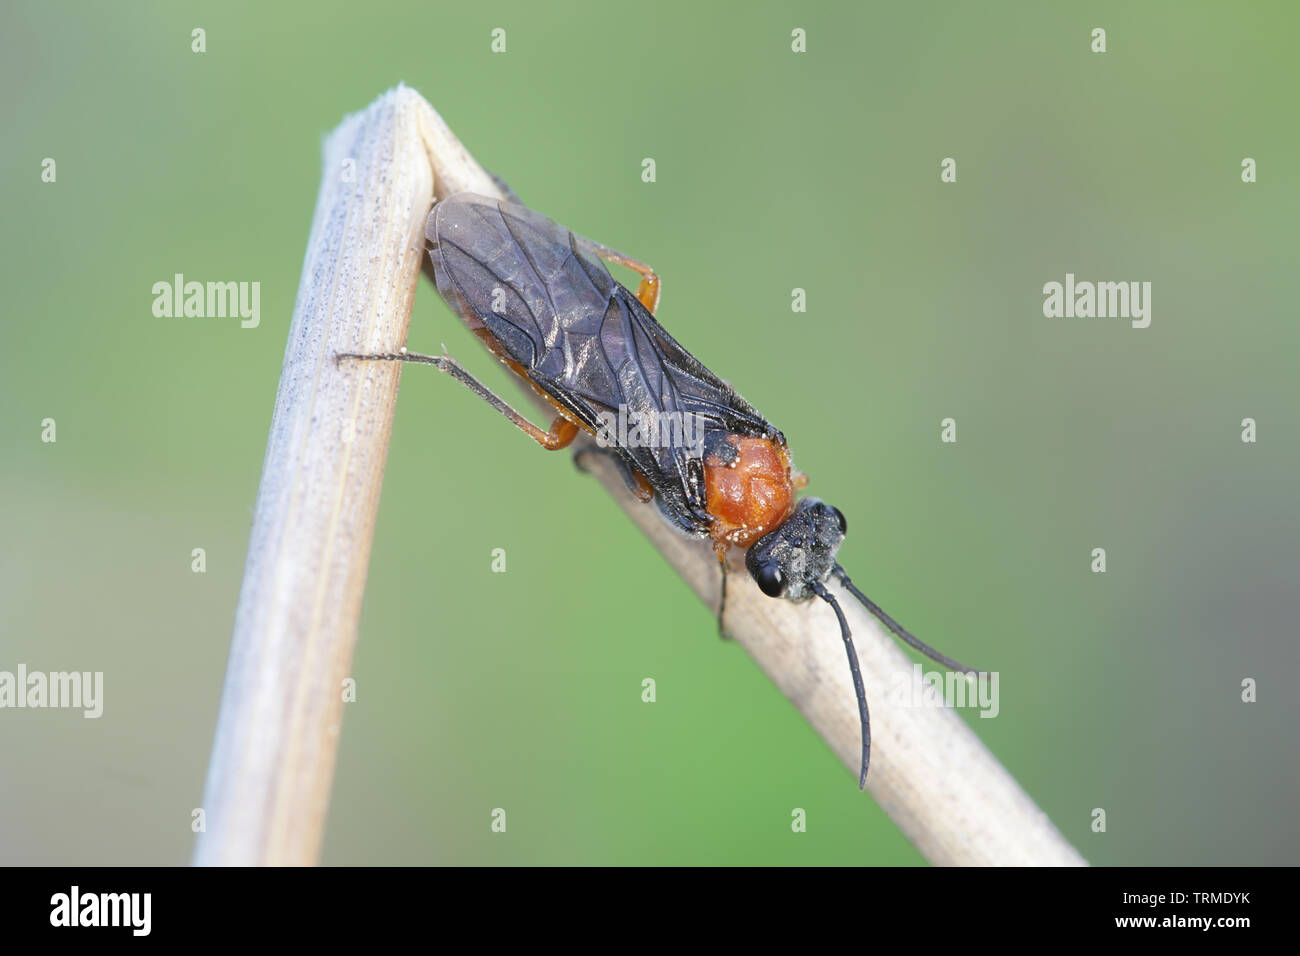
(787,562)
(794,562)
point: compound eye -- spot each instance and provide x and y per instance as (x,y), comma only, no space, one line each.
(839,516)
(770,580)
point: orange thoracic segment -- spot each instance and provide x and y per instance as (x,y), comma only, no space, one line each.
(751,495)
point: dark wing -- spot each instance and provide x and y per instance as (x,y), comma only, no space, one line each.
(588,342)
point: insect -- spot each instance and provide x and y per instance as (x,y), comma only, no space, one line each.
(543,302)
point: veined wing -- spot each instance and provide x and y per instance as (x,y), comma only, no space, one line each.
(546,296)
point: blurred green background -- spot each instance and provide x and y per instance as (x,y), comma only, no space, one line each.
(775,171)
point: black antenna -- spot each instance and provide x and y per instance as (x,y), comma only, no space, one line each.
(898,629)
(820,590)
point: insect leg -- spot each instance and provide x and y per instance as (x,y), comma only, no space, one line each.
(721,551)
(562,430)
(636,482)
(504,186)
(648,291)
